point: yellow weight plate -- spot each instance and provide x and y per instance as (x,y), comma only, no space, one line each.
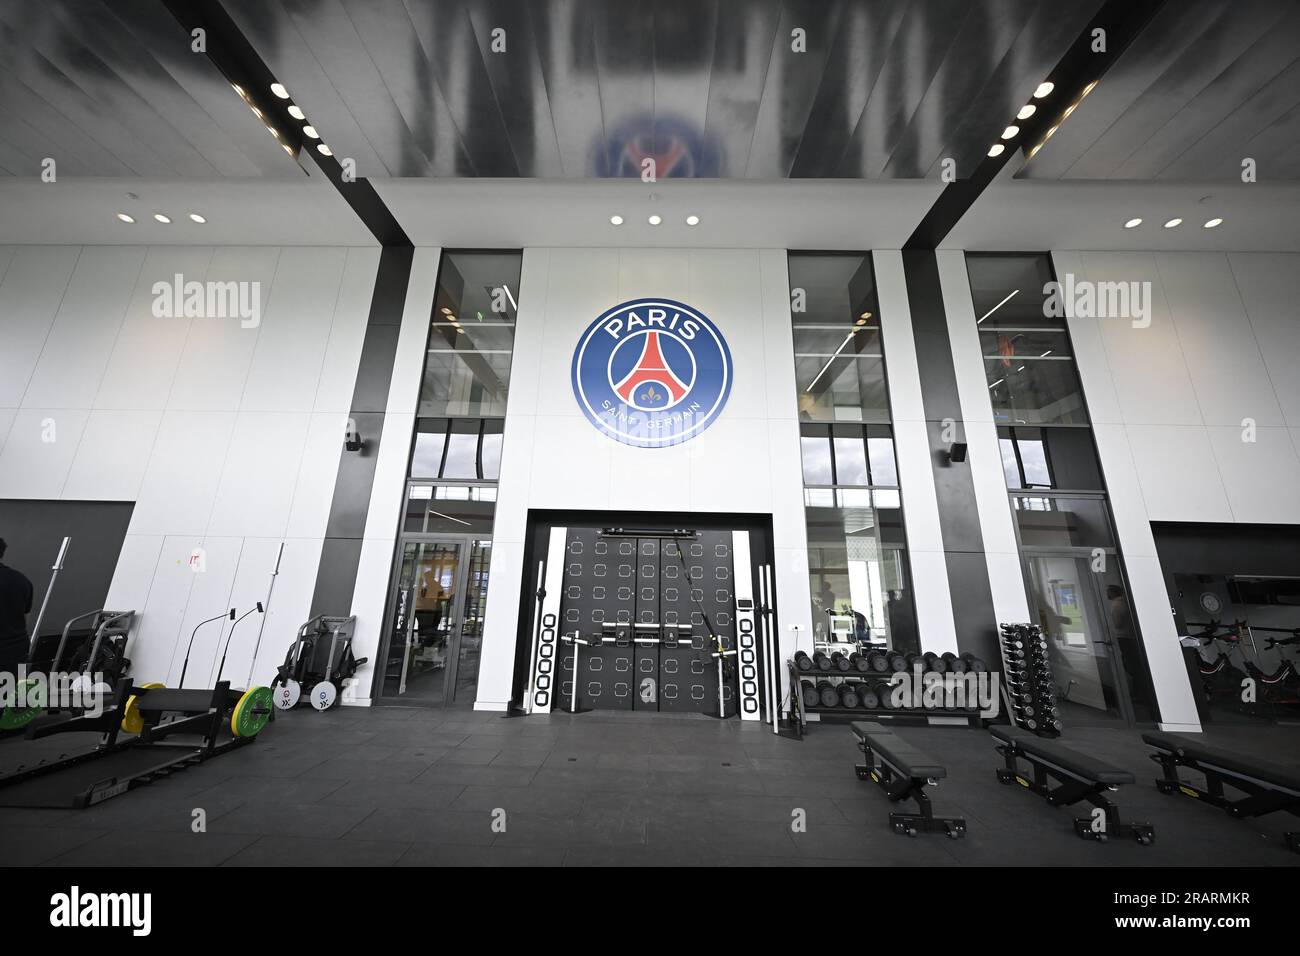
(132,719)
(251,712)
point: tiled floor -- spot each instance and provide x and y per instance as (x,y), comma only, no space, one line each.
(385,786)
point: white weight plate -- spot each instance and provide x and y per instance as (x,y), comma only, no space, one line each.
(287,695)
(323,695)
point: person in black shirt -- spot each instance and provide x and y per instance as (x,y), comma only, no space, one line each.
(15,604)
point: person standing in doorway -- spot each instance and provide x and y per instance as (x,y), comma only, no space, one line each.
(15,605)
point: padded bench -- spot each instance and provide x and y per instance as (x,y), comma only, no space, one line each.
(903,772)
(1267,787)
(1064,777)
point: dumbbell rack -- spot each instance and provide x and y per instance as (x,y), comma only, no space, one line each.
(1037,675)
(965,716)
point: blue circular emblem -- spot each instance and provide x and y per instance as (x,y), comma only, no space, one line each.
(652,372)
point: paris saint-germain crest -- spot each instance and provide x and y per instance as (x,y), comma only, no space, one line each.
(652,372)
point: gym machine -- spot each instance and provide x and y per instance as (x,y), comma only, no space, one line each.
(317,664)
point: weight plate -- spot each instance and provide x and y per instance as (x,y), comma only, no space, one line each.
(251,712)
(288,694)
(132,719)
(33,693)
(323,695)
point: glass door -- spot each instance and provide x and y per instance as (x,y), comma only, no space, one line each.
(1086,618)
(425,636)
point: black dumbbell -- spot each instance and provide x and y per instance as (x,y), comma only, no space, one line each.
(842,663)
(808,691)
(868,698)
(849,696)
(830,697)
(860,662)
(822,661)
(803,661)
(954,663)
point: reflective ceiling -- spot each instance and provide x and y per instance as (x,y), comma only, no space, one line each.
(590,88)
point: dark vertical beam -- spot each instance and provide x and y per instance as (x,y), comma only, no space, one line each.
(963,541)
(340,559)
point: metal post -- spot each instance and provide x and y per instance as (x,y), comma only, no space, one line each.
(45,602)
(262,624)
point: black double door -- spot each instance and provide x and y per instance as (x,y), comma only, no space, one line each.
(652,610)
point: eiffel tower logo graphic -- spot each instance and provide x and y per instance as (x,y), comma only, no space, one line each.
(637,388)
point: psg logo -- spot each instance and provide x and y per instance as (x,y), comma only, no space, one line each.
(652,372)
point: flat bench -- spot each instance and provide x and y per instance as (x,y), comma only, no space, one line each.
(1065,776)
(1267,787)
(903,772)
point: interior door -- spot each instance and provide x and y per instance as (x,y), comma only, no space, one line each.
(425,637)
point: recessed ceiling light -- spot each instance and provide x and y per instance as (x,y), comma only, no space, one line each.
(238,89)
(1088,89)
(124,217)
(1173,222)
(445,311)
(324,150)
(459,330)
(1010,131)
(655,220)
(197,218)
(616,220)
(1043,90)
(273,131)
(864,316)
(256,111)
(296,112)
(161,218)
(1026,111)
(996,149)
(310,132)
(287,148)
(1049,133)
(1133,223)
(1068,110)
(1213,222)
(692,220)
(279,90)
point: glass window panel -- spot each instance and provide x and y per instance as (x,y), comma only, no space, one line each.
(1035,392)
(492,450)
(1007,290)
(462,450)
(884,471)
(471,335)
(1023,344)
(1051,522)
(430,437)
(850,461)
(1010,467)
(816,459)
(1033,459)
(458,509)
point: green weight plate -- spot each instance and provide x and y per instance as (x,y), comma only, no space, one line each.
(15,717)
(251,713)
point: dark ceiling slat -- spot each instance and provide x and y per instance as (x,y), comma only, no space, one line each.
(566,52)
(518,86)
(1228,97)
(861,48)
(60,92)
(271,32)
(65,140)
(919,47)
(791,86)
(1047,30)
(742,51)
(684,35)
(1221,41)
(624,45)
(1276,149)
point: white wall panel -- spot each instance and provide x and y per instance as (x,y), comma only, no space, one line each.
(39,451)
(30,295)
(112,455)
(184,472)
(218,352)
(296,316)
(408,365)
(1262,477)
(75,354)
(1177,465)
(259,474)
(1269,285)
(348,330)
(148,347)
(313,493)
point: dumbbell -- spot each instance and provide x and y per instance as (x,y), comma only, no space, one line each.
(898,662)
(849,696)
(803,661)
(868,698)
(954,663)
(884,693)
(934,663)
(878,661)
(830,697)
(842,663)
(808,691)
(860,662)
(974,663)
(822,661)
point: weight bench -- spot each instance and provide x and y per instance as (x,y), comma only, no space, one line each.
(1268,787)
(903,772)
(1065,776)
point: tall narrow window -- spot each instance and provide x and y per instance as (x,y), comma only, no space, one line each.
(1074,571)
(857,555)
